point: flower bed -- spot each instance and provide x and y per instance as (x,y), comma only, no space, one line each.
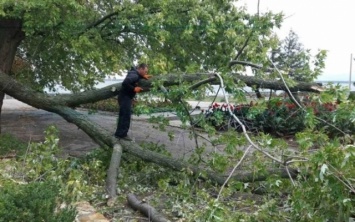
(276,116)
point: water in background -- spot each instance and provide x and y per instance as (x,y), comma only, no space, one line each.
(344,84)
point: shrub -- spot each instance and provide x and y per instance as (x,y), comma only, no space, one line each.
(282,117)
(32,202)
(343,117)
(76,177)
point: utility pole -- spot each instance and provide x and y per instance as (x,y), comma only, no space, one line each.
(351,67)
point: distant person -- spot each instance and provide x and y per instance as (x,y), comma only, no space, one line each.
(128,91)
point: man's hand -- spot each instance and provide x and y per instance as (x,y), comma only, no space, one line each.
(138,89)
(147,77)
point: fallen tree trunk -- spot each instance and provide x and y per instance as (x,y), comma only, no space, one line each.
(43,101)
(145,209)
(252,81)
(105,139)
(179,165)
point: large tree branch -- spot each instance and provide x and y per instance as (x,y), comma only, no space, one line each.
(252,81)
(105,138)
(42,101)
(98,22)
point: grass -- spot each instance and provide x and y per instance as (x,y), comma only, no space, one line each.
(10,145)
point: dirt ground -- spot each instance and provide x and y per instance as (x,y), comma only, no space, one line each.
(28,124)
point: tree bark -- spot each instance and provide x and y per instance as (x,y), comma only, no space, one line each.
(10,37)
(2,96)
(112,172)
(42,101)
(251,81)
(145,209)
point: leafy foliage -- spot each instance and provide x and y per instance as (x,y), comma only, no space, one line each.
(324,187)
(35,201)
(75,43)
(77,178)
(321,190)
(282,117)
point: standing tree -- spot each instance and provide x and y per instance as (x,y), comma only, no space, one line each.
(296,61)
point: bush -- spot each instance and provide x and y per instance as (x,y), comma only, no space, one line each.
(282,117)
(32,202)
(343,117)
(75,176)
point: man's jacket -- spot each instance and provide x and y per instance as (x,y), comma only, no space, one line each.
(129,83)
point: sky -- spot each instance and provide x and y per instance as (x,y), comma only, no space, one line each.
(319,24)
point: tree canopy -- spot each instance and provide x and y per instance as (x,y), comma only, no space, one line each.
(188,43)
(74,43)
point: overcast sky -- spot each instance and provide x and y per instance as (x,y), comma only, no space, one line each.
(320,24)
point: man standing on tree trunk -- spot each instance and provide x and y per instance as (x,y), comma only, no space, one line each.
(125,98)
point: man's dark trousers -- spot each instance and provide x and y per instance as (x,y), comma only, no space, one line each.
(124,116)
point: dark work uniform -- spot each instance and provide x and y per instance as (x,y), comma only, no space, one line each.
(125,98)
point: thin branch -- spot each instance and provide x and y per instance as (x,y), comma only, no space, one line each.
(347,183)
(231,173)
(244,63)
(241,50)
(98,22)
(289,175)
(243,126)
(191,122)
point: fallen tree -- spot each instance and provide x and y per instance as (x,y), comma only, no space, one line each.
(75,43)
(60,104)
